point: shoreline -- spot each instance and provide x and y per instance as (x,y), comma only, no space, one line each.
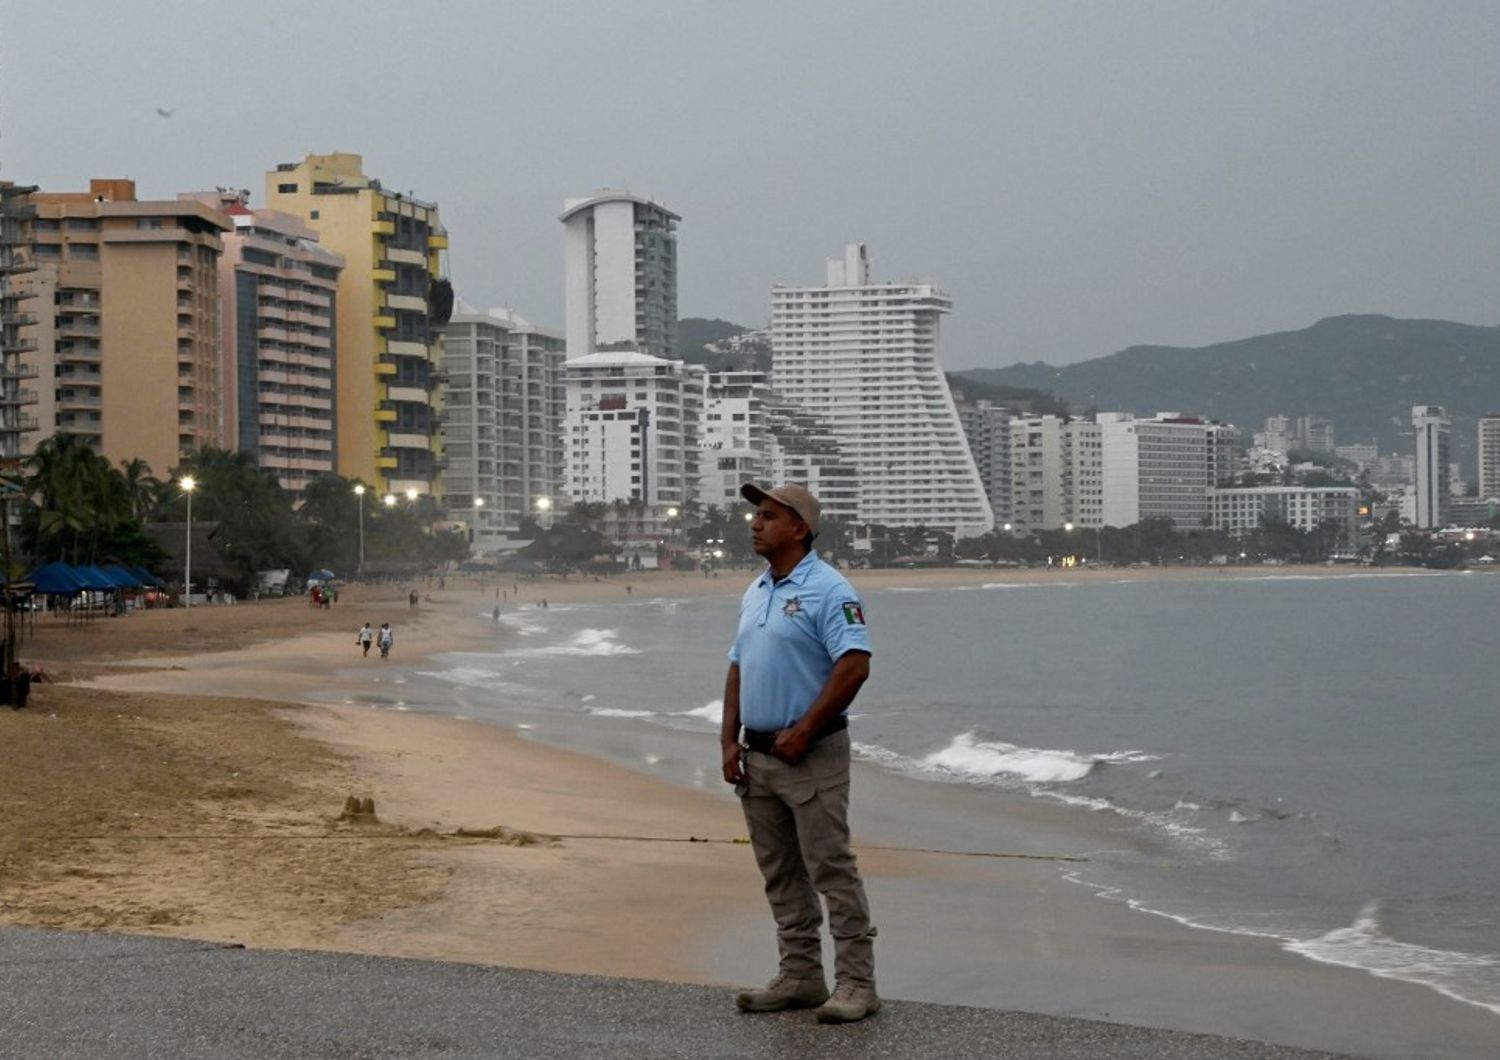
(693,912)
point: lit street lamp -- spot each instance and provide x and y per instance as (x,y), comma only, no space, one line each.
(359,491)
(474,523)
(188,484)
(389,500)
(543,507)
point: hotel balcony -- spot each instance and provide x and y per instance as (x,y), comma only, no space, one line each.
(437,241)
(79,401)
(22,396)
(384,320)
(383,274)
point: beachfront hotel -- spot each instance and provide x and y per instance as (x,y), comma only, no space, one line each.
(503,413)
(862,357)
(735,436)
(1431,425)
(391,302)
(279,292)
(620,268)
(1241,510)
(125,339)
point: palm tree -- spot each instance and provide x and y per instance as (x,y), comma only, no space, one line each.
(143,487)
(78,497)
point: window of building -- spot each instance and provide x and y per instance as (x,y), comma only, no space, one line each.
(286,189)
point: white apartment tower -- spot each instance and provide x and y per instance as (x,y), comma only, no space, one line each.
(620,259)
(862,357)
(632,428)
(502,420)
(1489,455)
(1431,425)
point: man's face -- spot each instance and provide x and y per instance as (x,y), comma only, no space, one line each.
(775,529)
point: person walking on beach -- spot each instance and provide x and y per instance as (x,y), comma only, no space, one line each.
(800,655)
(385,638)
(364,637)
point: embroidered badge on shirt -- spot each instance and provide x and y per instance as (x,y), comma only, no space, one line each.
(792,607)
(854,615)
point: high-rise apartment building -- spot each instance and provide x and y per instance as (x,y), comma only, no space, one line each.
(502,420)
(16,252)
(620,256)
(1489,455)
(279,293)
(392,303)
(1165,467)
(1431,425)
(987,427)
(862,358)
(632,428)
(127,329)
(1038,462)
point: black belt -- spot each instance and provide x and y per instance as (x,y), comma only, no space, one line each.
(765,742)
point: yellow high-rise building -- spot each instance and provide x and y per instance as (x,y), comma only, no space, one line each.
(392,303)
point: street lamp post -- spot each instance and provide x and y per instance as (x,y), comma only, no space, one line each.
(543,507)
(359,491)
(188,484)
(474,525)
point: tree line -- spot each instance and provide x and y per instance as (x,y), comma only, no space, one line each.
(80,508)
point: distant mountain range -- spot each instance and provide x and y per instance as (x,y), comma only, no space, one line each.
(1362,372)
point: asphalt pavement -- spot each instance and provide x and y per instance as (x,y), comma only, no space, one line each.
(70,994)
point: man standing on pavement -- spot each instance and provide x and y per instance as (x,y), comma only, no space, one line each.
(799,658)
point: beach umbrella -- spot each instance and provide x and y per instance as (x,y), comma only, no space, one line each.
(55,579)
(321,576)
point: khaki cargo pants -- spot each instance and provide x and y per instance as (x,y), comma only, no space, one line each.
(798,818)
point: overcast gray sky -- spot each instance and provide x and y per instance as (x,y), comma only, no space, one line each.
(1079,176)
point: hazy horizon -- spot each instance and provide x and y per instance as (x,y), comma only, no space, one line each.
(1080,178)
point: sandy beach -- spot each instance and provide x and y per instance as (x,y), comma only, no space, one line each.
(186,774)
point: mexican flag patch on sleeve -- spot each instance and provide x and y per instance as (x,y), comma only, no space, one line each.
(854,615)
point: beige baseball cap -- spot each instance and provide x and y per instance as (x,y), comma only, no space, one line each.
(798,498)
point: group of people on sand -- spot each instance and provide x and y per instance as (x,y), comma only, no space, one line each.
(382,638)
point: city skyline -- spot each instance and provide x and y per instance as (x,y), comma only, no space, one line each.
(1078,179)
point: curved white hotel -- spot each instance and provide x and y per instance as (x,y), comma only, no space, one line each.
(862,356)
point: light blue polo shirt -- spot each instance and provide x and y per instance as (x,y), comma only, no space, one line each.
(791,633)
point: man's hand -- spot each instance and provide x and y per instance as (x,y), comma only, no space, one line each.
(791,745)
(734,770)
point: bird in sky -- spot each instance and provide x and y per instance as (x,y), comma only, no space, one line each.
(166,112)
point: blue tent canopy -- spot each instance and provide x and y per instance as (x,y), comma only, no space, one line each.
(94,578)
(56,578)
(120,577)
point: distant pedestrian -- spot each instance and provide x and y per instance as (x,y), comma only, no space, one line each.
(364,637)
(496,615)
(385,638)
(411,598)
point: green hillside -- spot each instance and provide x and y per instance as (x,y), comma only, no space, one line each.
(1362,372)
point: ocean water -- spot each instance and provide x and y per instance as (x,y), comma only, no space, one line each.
(1306,758)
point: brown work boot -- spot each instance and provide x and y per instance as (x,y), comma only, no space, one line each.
(783,992)
(850,1003)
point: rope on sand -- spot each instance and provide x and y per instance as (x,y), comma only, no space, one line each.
(515,837)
